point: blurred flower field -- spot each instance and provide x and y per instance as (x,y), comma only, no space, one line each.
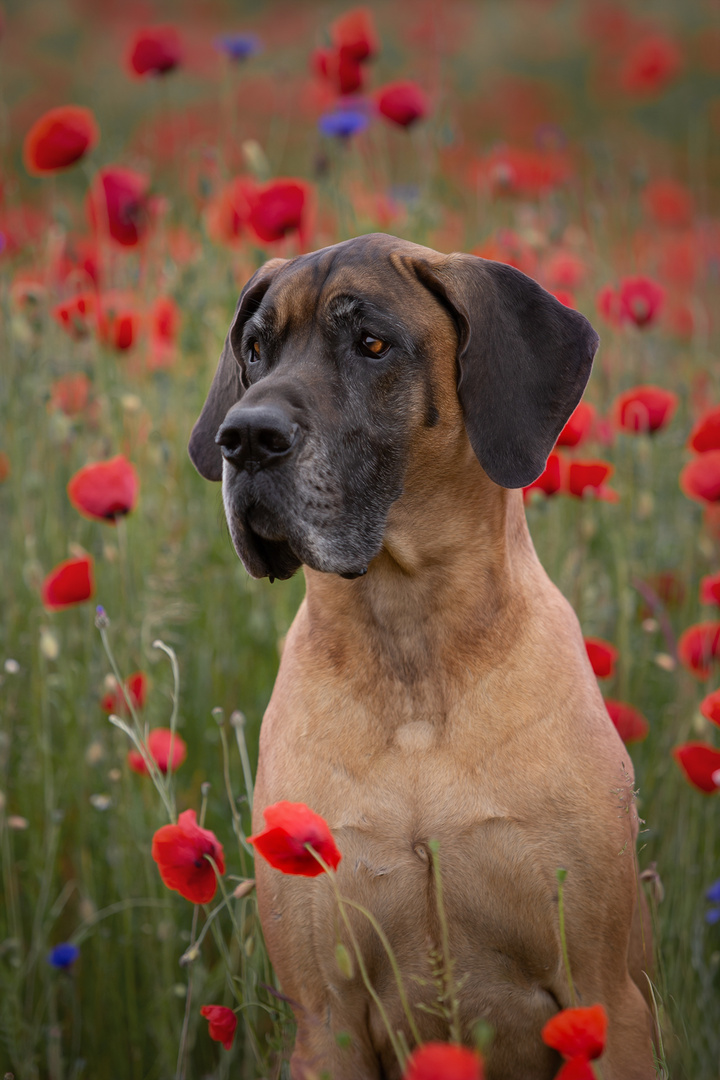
(154,155)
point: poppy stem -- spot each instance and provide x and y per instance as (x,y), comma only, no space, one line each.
(139,734)
(394,1040)
(182,1051)
(170,653)
(237,821)
(237,721)
(451,999)
(126,584)
(561,874)
(225,898)
(394,965)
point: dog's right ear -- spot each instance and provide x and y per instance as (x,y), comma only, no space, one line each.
(227,386)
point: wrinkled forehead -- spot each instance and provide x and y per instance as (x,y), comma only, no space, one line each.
(364,286)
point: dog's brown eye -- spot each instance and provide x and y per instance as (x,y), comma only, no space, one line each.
(373,346)
(254,354)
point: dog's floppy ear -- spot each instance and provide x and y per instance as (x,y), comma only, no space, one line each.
(523,362)
(227,386)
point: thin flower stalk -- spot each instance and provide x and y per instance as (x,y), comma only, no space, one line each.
(450,990)
(561,874)
(170,653)
(399,1046)
(243,847)
(237,721)
(140,733)
(182,1051)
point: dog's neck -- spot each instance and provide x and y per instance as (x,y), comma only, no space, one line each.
(457,547)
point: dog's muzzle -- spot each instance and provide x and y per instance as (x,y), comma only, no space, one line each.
(258,437)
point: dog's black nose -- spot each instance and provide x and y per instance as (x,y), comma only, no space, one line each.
(256,437)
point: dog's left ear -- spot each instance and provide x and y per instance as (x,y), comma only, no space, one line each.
(523,362)
(227,385)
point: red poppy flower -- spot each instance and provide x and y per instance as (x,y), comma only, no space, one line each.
(578,1032)
(76,315)
(165,318)
(289,827)
(104,490)
(602,656)
(156,50)
(700,763)
(69,394)
(70,582)
(354,34)
(136,690)
(585,476)
(4,466)
(513,170)
(180,850)
(631,725)
(698,646)
(227,214)
(577,1068)
(705,435)
(164,323)
(118,204)
(565,270)
(668,202)
(550,479)
(221,1023)
(700,478)
(607,302)
(710,707)
(118,323)
(443,1061)
(338,67)
(710,589)
(158,745)
(278,208)
(403,103)
(644,408)
(567,299)
(650,66)
(578,426)
(59,138)
(640,300)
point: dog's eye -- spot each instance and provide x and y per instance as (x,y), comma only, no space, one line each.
(253,352)
(373,346)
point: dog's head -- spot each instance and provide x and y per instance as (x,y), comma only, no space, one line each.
(332,369)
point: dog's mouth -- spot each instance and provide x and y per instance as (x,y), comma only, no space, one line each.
(266,550)
(262,545)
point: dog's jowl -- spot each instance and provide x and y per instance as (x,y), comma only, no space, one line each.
(376,409)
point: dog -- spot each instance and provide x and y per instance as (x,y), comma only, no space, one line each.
(376,409)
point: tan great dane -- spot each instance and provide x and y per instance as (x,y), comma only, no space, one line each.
(375,410)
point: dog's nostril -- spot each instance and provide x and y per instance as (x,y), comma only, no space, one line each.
(274,441)
(229,438)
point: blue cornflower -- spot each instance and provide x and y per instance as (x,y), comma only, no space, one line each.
(238,46)
(63,956)
(712,915)
(342,123)
(405,194)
